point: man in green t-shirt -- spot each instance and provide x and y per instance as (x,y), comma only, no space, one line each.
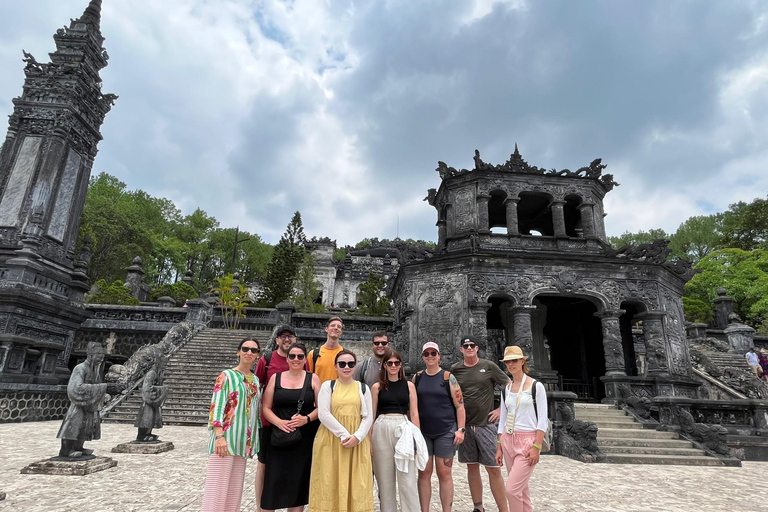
(477,379)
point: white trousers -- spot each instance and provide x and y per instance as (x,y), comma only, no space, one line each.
(389,479)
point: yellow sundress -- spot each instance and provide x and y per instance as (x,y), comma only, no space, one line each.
(342,478)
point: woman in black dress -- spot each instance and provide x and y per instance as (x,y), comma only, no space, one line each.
(287,469)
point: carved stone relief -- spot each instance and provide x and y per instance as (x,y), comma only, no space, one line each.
(679,358)
(440,313)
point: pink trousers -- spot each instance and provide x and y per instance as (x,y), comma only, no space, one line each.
(515,447)
(224,484)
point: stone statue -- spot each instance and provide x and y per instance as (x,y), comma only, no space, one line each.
(86,392)
(577,439)
(153,394)
(713,437)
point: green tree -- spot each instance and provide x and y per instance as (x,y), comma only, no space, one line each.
(371,298)
(639,238)
(697,237)
(743,273)
(306,287)
(233,298)
(283,268)
(745,225)
(178,291)
(115,293)
(697,310)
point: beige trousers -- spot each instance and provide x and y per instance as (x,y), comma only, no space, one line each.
(389,479)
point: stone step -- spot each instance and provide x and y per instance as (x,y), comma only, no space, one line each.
(647,450)
(642,442)
(583,405)
(618,425)
(597,418)
(678,460)
(169,420)
(634,433)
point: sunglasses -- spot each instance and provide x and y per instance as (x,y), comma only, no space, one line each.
(469,345)
(252,350)
(429,354)
(286,337)
(381,343)
(346,364)
(300,357)
(393,363)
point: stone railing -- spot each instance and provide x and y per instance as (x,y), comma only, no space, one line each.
(572,438)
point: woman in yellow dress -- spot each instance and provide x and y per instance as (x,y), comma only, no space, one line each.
(342,478)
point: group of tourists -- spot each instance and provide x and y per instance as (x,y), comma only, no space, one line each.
(329,426)
(758,362)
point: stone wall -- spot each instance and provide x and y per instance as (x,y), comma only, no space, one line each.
(46,403)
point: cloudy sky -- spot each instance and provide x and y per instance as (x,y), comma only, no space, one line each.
(252,109)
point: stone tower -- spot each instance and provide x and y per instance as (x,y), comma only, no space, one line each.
(522,259)
(45,165)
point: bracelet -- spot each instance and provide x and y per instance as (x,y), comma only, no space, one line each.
(537,446)
(498,441)
(219,436)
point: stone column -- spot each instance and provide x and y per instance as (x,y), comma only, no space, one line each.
(558,218)
(655,343)
(587,219)
(478,320)
(523,331)
(483,225)
(614,352)
(441,232)
(511,205)
(133,278)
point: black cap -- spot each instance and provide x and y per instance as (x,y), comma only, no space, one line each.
(283,328)
(468,339)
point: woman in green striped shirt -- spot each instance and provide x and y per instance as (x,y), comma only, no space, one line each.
(233,422)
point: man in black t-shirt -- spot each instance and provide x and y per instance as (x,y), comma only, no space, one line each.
(477,379)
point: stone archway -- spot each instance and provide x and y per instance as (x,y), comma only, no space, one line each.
(572,334)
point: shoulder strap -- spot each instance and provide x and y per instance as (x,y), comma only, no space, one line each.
(315,357)
(363,387)
(417,378)
(447,384)
(333,385)
(267,359)
(278,380)
(533,396)
(364,370)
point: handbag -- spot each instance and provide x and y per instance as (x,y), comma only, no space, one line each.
(281,438)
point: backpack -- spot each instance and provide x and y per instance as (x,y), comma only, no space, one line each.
(546,444)
(315,356)
(364,369)
(267,359)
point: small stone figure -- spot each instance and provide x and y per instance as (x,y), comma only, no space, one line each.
(86,392)
(153,394)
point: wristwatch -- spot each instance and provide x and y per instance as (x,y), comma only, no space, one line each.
(462,430)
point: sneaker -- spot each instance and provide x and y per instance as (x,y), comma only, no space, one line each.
(477,510)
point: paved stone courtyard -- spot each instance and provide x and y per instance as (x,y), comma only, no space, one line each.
(174,480)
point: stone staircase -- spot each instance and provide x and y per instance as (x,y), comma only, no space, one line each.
(727,359)
(625,441)
(191,373)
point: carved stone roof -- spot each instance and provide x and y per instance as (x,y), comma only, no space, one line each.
(517,165)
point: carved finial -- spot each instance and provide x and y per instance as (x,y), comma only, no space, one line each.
(516,153)
(92,13)
(137,261)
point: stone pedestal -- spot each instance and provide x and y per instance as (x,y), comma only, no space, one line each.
(740,337)
(63,466)
(144,448)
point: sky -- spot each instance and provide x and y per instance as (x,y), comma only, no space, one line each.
(253,109)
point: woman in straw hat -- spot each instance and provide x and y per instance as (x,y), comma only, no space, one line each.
(520,432)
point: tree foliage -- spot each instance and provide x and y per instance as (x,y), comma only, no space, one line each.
(306,287)
(639,238)
(178,291)
(745,225)
(744,274)
(372,300)
(278,282)
(124,224)
(115,293)
(233,298)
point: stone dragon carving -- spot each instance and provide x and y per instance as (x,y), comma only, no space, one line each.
(577,439)
(712,437)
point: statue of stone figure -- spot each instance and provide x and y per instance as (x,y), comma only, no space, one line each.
(86,393)
(153,394)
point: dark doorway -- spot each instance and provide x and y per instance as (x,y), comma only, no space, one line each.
(626,324)
(575,340)
(497,331)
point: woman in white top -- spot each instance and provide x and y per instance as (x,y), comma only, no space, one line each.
(520,432)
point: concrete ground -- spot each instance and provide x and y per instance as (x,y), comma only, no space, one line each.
(174,480)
